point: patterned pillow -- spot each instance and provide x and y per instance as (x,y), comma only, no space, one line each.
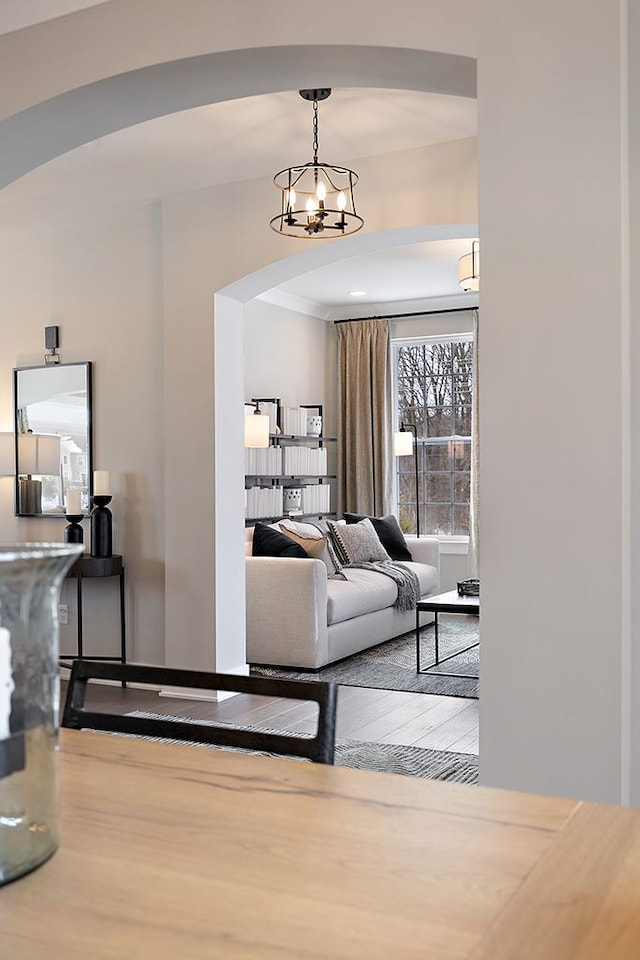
(356,542)
(391,536)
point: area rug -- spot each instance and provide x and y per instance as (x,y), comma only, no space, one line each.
(381,757)
(392,665)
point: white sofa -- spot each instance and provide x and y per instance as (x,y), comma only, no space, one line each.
(299,617)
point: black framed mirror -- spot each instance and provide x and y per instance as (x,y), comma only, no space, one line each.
(53,415)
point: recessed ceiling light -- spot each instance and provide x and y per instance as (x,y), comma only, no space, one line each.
(357,293)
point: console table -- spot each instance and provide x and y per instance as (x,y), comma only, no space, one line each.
(88,567)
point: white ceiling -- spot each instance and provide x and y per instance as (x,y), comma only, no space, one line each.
(247,139)
(16,14)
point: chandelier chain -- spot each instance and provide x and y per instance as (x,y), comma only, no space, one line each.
(315,131)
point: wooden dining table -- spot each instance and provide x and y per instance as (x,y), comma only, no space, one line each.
(184,852)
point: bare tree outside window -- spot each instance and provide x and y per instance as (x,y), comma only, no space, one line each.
(434,390)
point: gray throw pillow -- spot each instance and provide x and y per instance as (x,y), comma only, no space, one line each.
(357,542)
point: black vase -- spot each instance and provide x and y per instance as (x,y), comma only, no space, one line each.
(101,527)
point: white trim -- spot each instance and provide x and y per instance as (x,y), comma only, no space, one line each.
(454,545)
(466,337)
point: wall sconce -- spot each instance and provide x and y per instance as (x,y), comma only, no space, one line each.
(405,444)
(469,269)
(256,428)
(38,454)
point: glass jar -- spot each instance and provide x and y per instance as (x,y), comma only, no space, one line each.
(30,578)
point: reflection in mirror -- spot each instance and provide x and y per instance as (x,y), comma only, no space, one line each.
(52,408)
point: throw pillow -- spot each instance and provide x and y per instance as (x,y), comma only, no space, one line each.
(389,532)
(314,541)
(357,542)
(268,542)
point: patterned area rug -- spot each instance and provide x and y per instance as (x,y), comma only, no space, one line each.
(381,757)
(392,665)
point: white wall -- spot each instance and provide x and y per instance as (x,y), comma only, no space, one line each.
(100,282)
(286,356)
(550,404)
(552,121)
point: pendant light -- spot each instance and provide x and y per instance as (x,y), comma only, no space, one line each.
(469,269)
(316,199)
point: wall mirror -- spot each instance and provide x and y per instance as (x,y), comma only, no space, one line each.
(53,433)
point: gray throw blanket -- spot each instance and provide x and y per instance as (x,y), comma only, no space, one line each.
(405,579)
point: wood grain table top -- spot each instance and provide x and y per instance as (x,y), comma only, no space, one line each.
(183,852)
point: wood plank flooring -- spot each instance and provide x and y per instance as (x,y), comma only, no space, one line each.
(379,716)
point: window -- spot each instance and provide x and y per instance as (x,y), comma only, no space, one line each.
(433,391)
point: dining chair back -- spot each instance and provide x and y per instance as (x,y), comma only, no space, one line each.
(319,748)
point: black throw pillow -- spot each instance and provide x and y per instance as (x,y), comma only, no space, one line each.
(389,533)
(268,542)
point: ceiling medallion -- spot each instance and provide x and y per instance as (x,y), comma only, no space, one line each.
(316,198)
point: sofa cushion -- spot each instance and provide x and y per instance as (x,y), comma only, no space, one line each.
(363,592)
(389,532)
(367,591)
(357,543)
(268,542)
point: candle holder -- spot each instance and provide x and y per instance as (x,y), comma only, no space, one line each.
(101,527)
(73,532)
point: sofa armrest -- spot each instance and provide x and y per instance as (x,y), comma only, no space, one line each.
(286,611)
(425,550)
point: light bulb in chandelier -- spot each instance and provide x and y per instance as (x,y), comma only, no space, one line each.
(317,198)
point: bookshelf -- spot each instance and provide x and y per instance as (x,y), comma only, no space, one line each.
(293,461)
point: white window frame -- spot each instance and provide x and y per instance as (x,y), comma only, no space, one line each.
(451,543)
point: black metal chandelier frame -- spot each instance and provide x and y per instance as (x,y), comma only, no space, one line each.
(316,196)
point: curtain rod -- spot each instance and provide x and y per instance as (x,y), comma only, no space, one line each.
(413,313)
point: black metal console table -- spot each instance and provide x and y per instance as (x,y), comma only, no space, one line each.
(88,567)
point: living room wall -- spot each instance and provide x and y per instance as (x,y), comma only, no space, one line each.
(100,281)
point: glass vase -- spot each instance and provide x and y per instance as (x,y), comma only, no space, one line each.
(30,578)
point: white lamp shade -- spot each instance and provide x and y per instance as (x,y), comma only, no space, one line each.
(403,443)
(256,430)
(7,455)
(38,454)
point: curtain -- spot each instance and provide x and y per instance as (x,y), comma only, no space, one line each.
(365,480)
(473,559)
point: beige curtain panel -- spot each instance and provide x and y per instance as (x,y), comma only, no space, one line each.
(365,481)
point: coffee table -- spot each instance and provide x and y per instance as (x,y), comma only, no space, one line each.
(450,602)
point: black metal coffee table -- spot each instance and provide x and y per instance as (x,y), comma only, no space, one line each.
(450,602)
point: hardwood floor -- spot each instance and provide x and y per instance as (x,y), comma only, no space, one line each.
(379,716)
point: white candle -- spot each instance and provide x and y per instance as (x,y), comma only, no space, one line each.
(7,685)
(73,502)
(101,483)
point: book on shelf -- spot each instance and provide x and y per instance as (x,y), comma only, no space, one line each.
(263,502)
(294,421)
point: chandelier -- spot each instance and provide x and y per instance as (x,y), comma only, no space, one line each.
(316,198)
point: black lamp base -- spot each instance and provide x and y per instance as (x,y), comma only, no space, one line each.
(73,532)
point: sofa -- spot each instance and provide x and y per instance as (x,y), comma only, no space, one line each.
(300,614)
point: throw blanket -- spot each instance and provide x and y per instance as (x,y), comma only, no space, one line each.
(405,579)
